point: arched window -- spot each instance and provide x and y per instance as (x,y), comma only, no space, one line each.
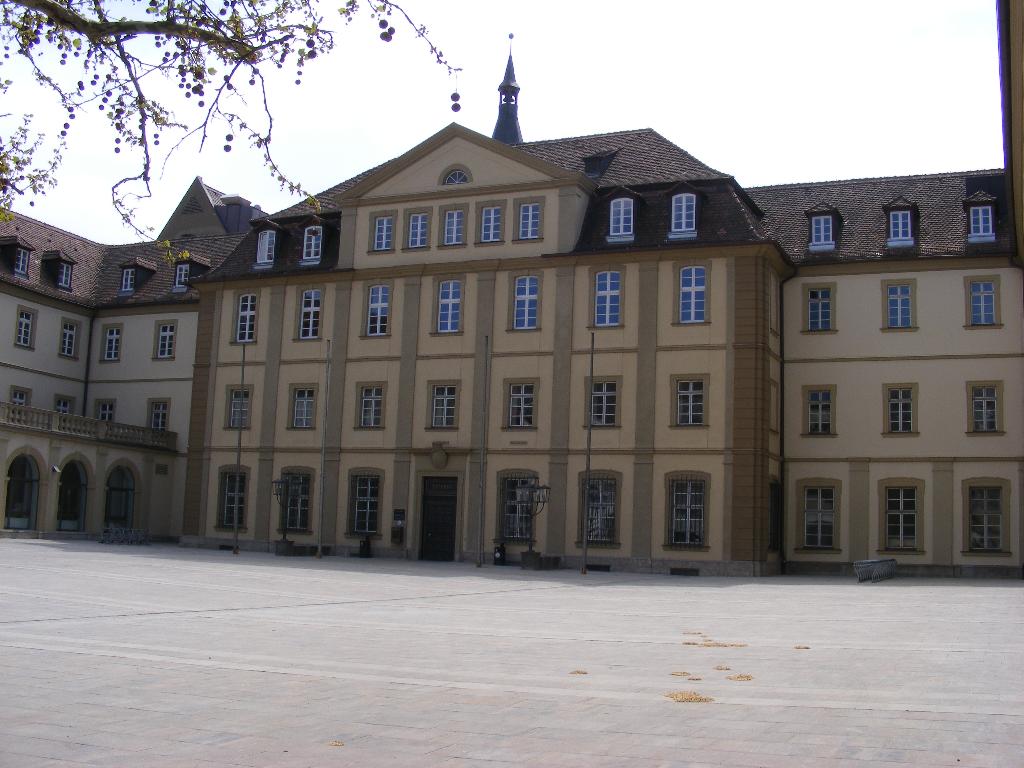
(120,498)
(22,494)
(71,498)
(456,176)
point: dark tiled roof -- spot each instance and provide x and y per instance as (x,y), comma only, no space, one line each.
(940,226)
(640,157)
(328,199)
(97,268)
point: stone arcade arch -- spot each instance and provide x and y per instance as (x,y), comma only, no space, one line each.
(22,503)
(71,497)
(120,505)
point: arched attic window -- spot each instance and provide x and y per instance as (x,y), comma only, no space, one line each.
(456,176)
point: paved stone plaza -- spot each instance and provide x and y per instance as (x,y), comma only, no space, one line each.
(159,656)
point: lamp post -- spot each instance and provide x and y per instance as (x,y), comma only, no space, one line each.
(283,493)
(536,495)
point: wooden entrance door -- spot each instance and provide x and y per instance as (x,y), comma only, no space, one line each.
(440,503)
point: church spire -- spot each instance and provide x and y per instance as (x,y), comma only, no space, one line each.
(506,129)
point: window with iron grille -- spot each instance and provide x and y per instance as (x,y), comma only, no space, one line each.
(603,403)
(490,224)
(309,321)
(901,409)
(364,503)
(165,340)
(819,517)
(600,509)
(687,514)
(68,338)
(819,412)
(232,499)
(529,221)
(684,213)
(527,292)
(443,405)
(449,306)
(901,518)
(520,405)
(516,515)
(689,402)
(265,247)
(983,302)
(607,294)
(371,409)
(986,517)
(692,292)
(418,230)
(454,227)
(899,306)
(312,243)
(23,333)
(112,344)
(302,408)
(245,331)
(382,235)
(297,513)
(819,309)
(984,404)
(238,409)
(159,413)
(377,311)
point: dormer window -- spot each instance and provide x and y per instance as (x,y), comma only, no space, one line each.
(128,280)
(456,176)
(900,234)
(822,238)
(64,276)
(265,247)
(620,225)
(981,230)
(21,259)
(312,244)
(684,215)
(181,272)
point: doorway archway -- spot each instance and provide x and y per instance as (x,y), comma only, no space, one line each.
(71,497)
(22,494)
(120,509)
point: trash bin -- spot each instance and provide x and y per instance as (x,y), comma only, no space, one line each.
(499,555)
(364,547)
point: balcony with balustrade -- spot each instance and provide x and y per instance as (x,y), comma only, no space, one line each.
(22,417)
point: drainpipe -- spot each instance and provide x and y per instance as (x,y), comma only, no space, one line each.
(783,480)
(88,364)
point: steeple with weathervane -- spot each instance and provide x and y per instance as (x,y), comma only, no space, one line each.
(506,130)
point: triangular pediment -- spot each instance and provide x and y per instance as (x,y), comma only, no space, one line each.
(487,164)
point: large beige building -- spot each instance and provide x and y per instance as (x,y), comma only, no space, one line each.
(787,377)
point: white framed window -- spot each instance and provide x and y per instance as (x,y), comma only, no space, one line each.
(819,412)
(165,340)
(600,502)
(529,221)
(128,280)
(159,412)
(105,410)
(68,338)
(984,408)
(378,310)
(684,215)
(238,409)
(456,176)
(23,331)
(983,302)
(62,405)
(490,224)
(621,219)
(689,403)
(899,228)
(383,229)
(312,244)
(982,229)
(365,503)
(265,247)
(604,403)
(21,262)
(901,409)
(692,293)
(371,407)
(245,330)
(302,408)
(819,309)
(19,396)
(442,413)
(64,275)
(821,232)
(985,508)
(309,315)
(454,226)
(607,295)
(520,405)
(819,517)
(687,526)
(232,507)
(899,305)
(901,518)
(527,291)
(181,273)
(449,306)
(418,226)
(112,344)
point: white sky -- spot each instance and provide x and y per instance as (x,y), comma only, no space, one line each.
(769,91)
